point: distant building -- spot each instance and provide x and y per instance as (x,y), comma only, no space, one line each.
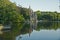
(33,16)
(33,20)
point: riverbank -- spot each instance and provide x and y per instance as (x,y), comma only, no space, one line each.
(1,27)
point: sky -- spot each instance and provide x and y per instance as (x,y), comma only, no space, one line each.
(42,5)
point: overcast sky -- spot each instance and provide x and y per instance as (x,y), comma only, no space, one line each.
(42,5)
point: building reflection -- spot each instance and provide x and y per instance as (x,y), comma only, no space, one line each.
(27,28)
(33,26)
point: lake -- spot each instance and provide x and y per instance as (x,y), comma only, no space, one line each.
(32,31)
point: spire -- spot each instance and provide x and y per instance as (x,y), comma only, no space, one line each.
(29,8)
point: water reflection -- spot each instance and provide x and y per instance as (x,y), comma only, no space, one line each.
(32,31)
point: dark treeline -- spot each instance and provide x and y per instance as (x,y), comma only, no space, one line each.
(48,16)
(10,12)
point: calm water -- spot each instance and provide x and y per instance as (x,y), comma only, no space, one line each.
(41,35)
(32,31)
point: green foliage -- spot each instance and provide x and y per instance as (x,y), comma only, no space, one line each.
(9,13)
(12,14)
(24,11)
(50,16)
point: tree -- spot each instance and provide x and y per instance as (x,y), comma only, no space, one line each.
(9,13)
(24,11)
(38,14)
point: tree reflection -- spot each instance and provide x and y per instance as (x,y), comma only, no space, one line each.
(48,25)
(25,28)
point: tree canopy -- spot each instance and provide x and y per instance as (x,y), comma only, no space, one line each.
(9,13)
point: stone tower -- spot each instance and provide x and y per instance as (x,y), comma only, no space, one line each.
(33,16)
